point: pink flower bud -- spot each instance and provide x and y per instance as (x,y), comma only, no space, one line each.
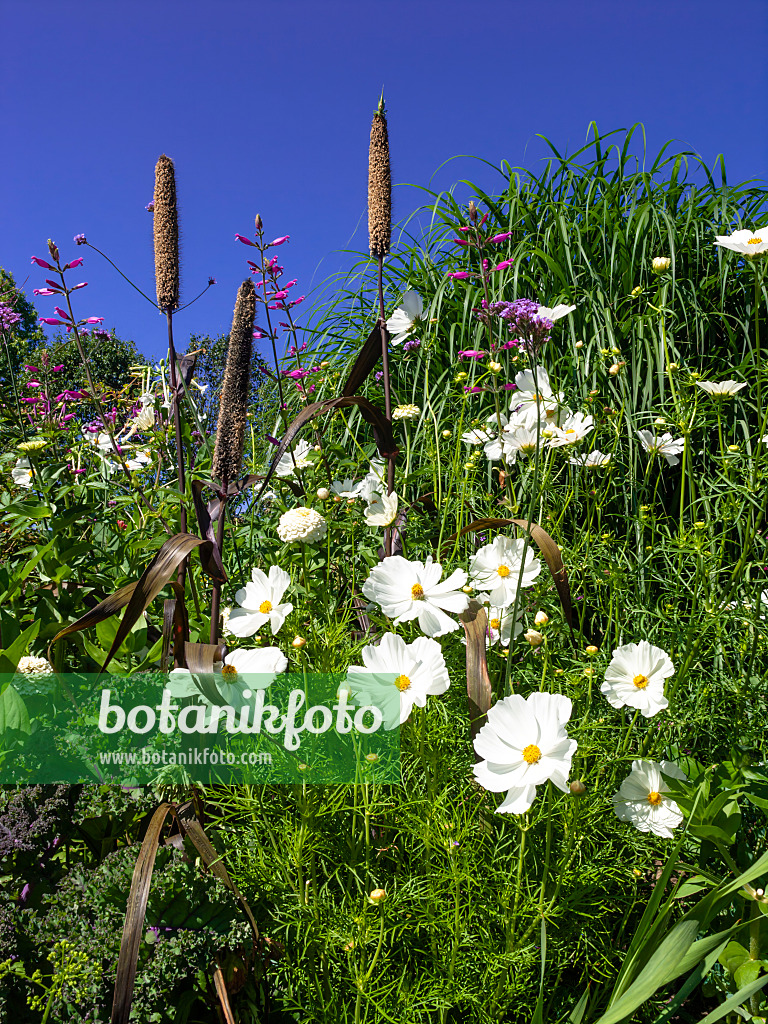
(84,284)
(46,291)
(75,263)
(280,295)
(502,237)
(244,240)
(55,369)
(62,312)
(42,263)
(32,369)
(94,320)
(280,240)
(503,265)
(52,321)
(460,275)
(461,241)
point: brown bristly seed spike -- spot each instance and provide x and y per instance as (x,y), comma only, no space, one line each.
(233,407)
(166,223)
(379,186)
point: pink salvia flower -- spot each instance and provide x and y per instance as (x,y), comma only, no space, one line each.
(502,237)
(84,284)
(94,320)
(46,291)
(280,240)
(460,275)
(503,265)
(244,240)
(55,369)
(52,321)
(32,369)
(42,263)
(62,312)
(75,263)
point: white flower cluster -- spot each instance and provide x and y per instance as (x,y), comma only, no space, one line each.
(34,668)
(304,524)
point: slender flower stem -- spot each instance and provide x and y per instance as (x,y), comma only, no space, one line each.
(181,576)
(216,587)
(387,393)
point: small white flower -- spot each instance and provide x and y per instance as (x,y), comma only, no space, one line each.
(297,459)
(406,317)
(556,313)
(594,460)
(241,670)
(500,626)
(346,488)
(260,601)
(382,510)
(22,473)
(406,590)
(139,461)
(721,389)
(303,524)
(517,438)
(524,744)
(34,668)
(373,483)
(102,441)
(534,399)
(477,436)
(495,568)
(406,412)
(663,445)
(660,263)
(635,678)
(398,675)
(641,798)
(573,430)
(748,243)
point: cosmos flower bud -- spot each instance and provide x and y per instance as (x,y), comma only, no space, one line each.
(447,434)
(579,344)
(377,895)
(323,493)
(494,367)
(541,619)
(591,650)
(660,264)
(637,291)
(534,637)
(577,787)
(298,642)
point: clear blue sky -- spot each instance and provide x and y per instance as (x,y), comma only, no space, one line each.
(266,107)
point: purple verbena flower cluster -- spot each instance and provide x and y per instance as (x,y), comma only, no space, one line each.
(522,319)
(8,317)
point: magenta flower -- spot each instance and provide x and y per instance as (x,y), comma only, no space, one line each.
(461,241)
(465,229)
(33,384)
(502,237)
(61,312)
(460,275)
(244,240)
(46,291)
(52,321)
(75,263)
(94,320)
(32,369)
(42,263)
(280,295)
(503,265)
(55,369)
(471,353)
(280,240)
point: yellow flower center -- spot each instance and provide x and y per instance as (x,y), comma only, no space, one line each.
(265,606)
(402,683)
(570,430)
(495,623)
(640,681)
(305,513)
(531,754)
(503,571)
(755,241)
(417,592)
(654,798)
(228,671)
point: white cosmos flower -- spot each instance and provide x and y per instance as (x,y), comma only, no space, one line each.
(301,524)
(595,460)
(663,445)
(641,798)
(373,483)
(524,744)
(721,389)
(241,670)
(495,568)
(397,675)
(22,472)
(259,603)
(478,435)
(573,430)
(382,510)
(406,317)
(499,626)
(556,313)
(139,461)
(635,678)
(534,399)
(748,243)
(519,438)
(346,488)
(285,466)
(406,590)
